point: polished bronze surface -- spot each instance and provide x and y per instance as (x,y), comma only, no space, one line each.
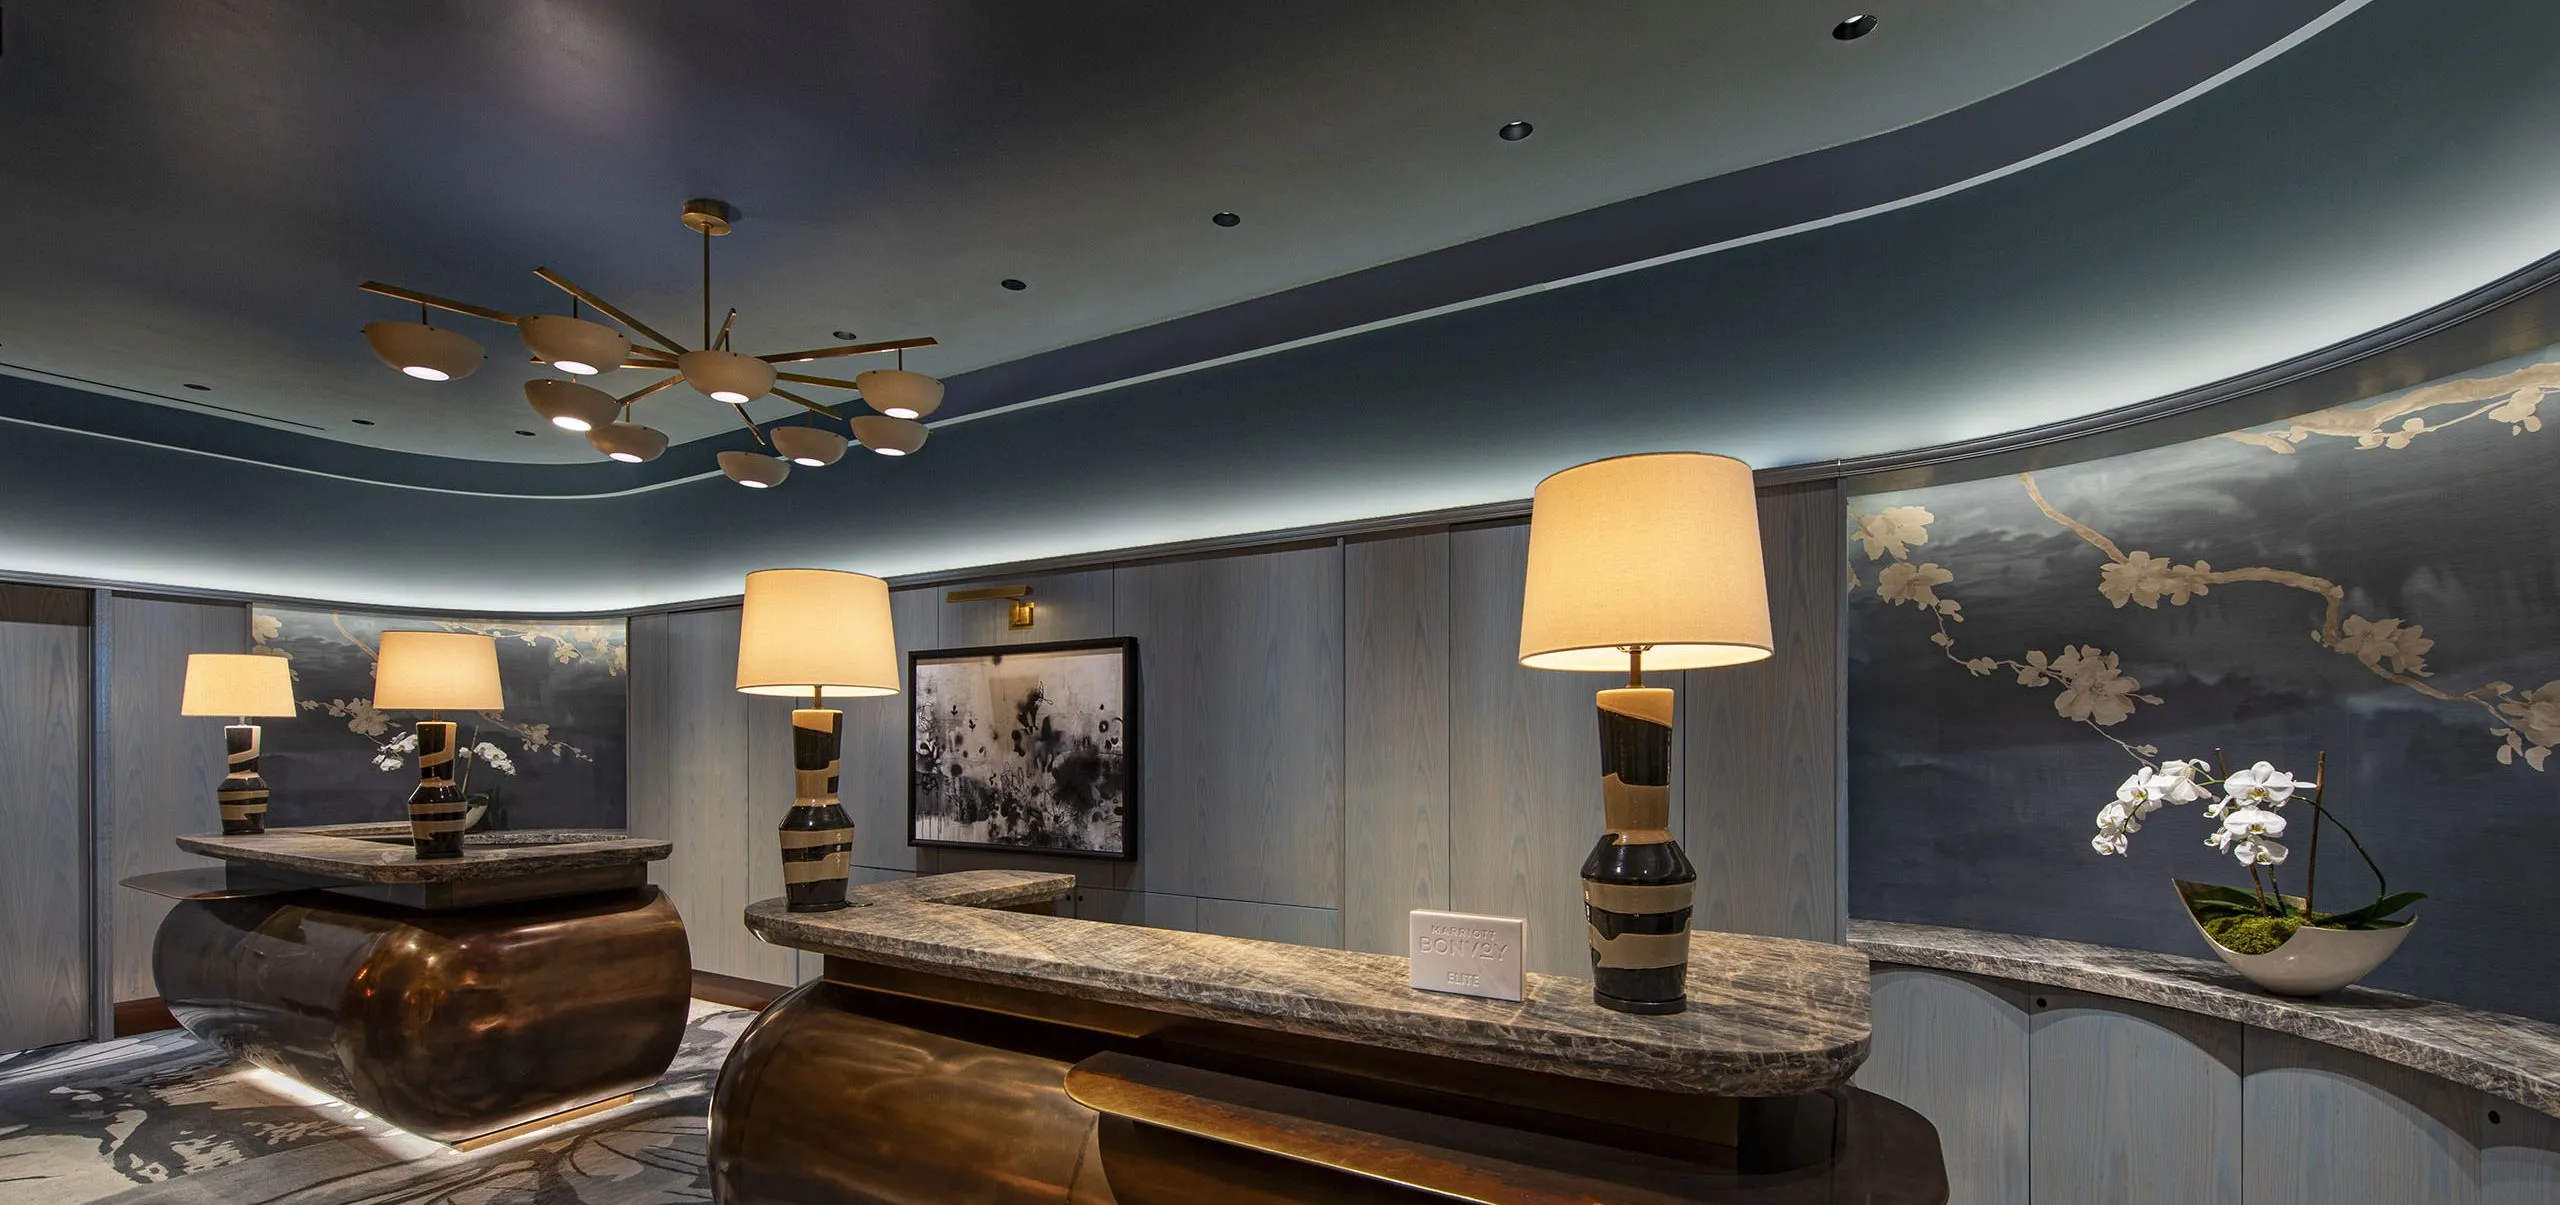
(448,1024)
(928,1089)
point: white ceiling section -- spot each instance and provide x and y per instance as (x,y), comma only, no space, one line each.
(211,180)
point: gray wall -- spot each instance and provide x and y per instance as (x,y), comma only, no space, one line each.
(2059,1098)
(1336,733)
(44,795)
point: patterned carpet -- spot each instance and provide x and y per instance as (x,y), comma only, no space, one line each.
(168,1120)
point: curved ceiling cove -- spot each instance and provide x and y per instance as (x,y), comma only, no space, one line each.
(2388,163)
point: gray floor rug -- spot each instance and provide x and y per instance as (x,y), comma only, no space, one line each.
(168,1120)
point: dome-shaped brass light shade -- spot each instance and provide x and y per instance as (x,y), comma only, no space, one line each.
(422,351)
(754,470)
(630,443)
(726,376)
(573,345)
(889,436)
(569,405)
(900,394)
(808,447)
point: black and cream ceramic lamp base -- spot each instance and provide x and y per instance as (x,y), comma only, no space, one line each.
(1637,885)
(817,835)
(242,795)
(438,812)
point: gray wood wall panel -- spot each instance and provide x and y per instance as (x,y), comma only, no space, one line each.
(1395,736)
(1764,803)
(1064,606)
(2131,1102)
(163,767)
(1153,910)
(1241,679)
(1954,1048)
(648,719)
(2324,1125)
(707,795)
(2519,1154)
(1271,922)
(44,801)
(878,744)
(772,785)
(1524,759)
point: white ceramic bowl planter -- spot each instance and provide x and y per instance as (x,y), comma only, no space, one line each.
(2313,961)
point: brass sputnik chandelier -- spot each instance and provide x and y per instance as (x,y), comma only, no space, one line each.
(582,348)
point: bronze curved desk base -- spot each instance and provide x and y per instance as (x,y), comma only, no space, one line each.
(919,1088)
(449,1025)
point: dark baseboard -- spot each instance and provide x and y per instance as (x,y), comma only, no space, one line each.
(146,1015)
(735,992)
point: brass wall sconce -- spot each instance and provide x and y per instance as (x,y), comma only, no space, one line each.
(1017,618)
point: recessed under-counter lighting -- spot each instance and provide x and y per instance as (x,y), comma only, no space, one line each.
(1516,131)
(199,388)
(1011,283)
(1855,27)
(1224,219)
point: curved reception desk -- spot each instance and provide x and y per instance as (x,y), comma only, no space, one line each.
(963,1046)
(537,974)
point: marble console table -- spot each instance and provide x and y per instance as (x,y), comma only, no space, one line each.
(455,998)
(1106,1063)
(2507,1056)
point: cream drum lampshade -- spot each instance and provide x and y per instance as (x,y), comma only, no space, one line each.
(237,684)
(437,671)
(819,632)
(1660,550)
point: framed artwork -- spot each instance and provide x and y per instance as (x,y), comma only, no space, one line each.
(553,758)
(1028,747)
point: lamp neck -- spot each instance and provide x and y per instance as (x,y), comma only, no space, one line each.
(1635,663)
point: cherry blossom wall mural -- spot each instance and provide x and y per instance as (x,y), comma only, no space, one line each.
(2379,579)
(552,758)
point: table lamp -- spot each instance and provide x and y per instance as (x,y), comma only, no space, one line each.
(1641,562)
(241,685)
(816,632)
(437,672)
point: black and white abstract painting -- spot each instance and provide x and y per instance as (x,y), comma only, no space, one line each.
(1027,748)
(552,758)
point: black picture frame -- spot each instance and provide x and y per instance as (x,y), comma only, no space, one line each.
(1132,740)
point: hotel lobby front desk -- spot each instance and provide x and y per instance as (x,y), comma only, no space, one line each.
(455,998)
(963,1046)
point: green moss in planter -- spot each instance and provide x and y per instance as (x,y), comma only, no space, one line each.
(2252,934)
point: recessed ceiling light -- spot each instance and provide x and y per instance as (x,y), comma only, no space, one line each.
(361,422)
(199,388)
(847,336)
(1011,283)
(527,434)
(1516,131)
(1855,27)
(1225,219)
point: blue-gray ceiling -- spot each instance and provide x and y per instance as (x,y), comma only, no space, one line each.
(2387,162)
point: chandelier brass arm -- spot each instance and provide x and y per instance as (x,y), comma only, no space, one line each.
(607,308)
(806,404)
(447,304)
(850,349)
(646,390)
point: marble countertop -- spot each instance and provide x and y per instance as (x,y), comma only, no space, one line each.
(2514,1057)
(382,853)
(1767,1017)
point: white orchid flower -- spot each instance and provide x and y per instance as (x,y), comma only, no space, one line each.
(2108,841)
(2120,817)
(2176,781)
(2259,786)
(2141,794)
(2254,822)
(2257,851)
(2221,839)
